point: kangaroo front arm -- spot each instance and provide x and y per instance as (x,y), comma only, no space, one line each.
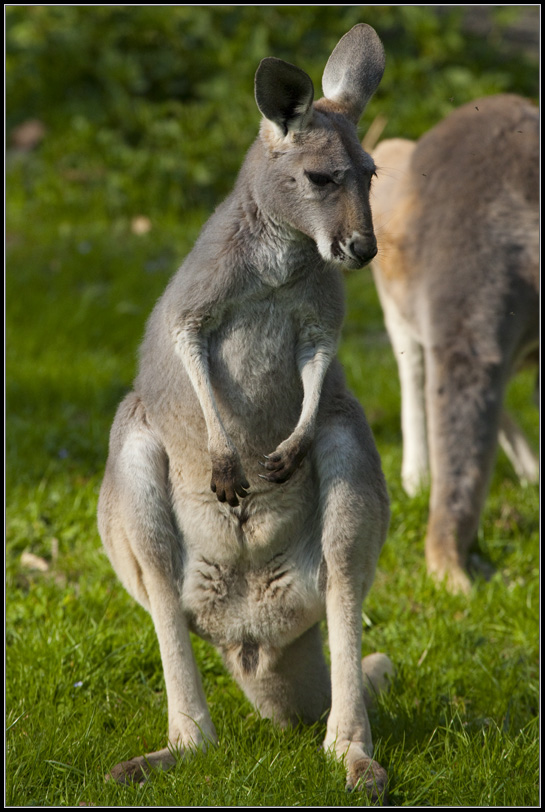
(228,480)
(315,351)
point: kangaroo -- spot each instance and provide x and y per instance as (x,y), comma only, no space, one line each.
(457,213)
(243,498)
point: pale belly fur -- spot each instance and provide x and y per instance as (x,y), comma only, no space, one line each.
(253,577)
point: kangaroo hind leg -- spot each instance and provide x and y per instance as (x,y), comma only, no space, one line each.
(140,535)
(518,450)
(354,520)
(295,687)
(464,398)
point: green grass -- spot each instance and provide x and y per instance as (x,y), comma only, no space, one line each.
(84,686)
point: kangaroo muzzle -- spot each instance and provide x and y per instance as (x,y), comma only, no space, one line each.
(363,249)
(356,251)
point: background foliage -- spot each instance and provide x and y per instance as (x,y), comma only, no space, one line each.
(141,116)
(152,106)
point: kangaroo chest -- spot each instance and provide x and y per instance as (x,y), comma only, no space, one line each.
(256,339)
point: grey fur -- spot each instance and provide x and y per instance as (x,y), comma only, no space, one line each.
(239,394)
(457,215)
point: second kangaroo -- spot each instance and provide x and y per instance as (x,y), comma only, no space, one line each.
(458,279)
(243,498)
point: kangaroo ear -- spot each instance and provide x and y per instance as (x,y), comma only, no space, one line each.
(354,70)
(284,94)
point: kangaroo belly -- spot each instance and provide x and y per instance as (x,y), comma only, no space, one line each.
(252,580)
(251,613)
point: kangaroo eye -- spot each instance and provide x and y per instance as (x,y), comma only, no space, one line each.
(319,178)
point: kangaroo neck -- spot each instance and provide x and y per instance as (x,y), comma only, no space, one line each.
(273,250)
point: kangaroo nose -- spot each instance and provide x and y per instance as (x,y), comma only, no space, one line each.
(363,249)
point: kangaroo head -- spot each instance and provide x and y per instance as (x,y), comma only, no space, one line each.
(315,176)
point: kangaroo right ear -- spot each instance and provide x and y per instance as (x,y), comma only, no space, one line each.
(354,70)
(284,94)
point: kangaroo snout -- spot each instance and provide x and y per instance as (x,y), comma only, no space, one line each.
(356,251)
(363,249)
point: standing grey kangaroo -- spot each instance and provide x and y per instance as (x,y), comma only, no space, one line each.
(243,498)
(457,214)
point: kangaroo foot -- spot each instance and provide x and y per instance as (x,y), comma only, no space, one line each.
(366,775)
(137,770)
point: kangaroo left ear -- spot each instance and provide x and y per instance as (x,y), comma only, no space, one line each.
(354,70)
(284,94)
